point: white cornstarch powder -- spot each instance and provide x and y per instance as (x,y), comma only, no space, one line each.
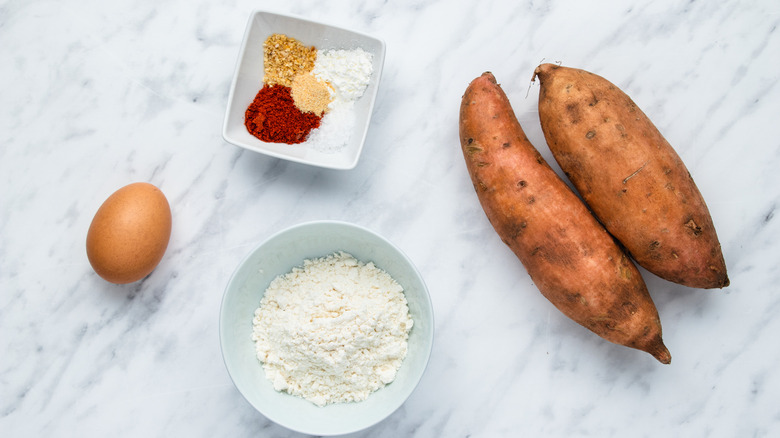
(349,73)
(332,330)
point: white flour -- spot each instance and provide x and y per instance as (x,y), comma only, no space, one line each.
(333,330)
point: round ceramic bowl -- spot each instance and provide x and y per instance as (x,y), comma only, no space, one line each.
(278,255)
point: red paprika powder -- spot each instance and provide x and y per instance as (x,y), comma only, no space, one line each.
(273,117)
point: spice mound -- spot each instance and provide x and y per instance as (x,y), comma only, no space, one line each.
(308,95)
(284,58)
(333,330)
(311,94)
(275,118)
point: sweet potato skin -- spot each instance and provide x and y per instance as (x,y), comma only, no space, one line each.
(630,176)
(570,257)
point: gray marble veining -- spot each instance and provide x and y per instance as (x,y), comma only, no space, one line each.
(100,94)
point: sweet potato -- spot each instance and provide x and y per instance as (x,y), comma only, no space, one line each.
(570,257)
(629,175)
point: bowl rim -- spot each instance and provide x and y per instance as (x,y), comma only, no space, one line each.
(429,340)
(353,161)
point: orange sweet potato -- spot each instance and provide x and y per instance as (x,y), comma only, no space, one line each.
(570,257)
(629,176)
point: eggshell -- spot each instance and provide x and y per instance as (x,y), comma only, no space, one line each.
(129,233)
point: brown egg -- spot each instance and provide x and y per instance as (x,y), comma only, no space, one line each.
(129,233)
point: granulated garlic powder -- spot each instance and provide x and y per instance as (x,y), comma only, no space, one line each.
(333,330)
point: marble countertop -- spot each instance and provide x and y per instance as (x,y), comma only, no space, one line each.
(98,94)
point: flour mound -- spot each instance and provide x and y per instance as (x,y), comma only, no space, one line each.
(334,330)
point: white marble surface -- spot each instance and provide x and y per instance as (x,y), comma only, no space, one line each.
(99,94)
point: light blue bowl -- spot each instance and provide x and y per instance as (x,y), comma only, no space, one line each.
(278,255)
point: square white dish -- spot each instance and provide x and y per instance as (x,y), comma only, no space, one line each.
(248,80)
